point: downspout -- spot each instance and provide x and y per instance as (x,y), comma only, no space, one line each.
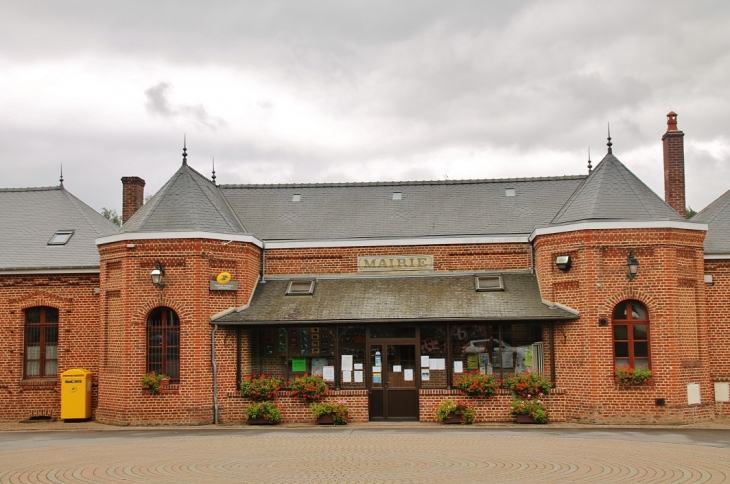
(263,262)
(215,374)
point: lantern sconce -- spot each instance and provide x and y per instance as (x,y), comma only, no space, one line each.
(632,265)
(563,262)
(158,275)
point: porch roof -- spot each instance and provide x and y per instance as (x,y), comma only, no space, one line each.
(396,299)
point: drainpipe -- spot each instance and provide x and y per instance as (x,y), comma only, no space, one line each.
(263,262)
(215,374)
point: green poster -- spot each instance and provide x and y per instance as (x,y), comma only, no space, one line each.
(298,364)
(472,361)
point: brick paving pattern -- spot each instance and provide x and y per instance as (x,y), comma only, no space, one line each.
(341,455)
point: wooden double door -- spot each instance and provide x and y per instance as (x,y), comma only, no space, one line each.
(394,380)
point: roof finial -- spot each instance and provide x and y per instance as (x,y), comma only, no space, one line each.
(213,177)
(185,151)
(590,166)
(609,144)
(61,179)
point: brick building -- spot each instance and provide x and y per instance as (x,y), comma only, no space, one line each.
(390,289)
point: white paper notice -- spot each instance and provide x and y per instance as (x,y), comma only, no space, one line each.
(424,361)
(358,366)
(397,368)
(377,369)
(328,373)
(407,375)
(346,362)
(358,376)
(458,367)
(346,376)
(425,374)
(433,364)
(440,363)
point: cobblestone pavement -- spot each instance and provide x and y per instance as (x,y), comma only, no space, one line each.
(366,454)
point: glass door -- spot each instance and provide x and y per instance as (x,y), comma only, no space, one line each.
(392,386)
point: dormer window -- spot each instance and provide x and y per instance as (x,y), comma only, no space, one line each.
(300,288)
(488,283)
(61,237)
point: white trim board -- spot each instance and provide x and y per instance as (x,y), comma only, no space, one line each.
(179,235)
(666,224)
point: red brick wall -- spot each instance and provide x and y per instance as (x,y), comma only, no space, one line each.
(132,196)
(233,407)
(669,283)
(343,260)
(127,298)
(78,336)
(718,319)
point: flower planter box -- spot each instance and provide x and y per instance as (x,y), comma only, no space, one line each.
(454,418)
(258,421)
(326,419)
(525,419)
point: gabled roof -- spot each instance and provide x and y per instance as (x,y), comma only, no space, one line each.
(188,202)
(612,192)
(717,216)
(29,218)
(397,299)
(368,210)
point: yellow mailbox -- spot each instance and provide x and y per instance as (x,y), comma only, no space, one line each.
(76,394)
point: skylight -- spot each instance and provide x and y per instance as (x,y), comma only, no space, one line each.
(300,288)
(296,198)
(61,237)
(509,192)
(488,283)
(397,196)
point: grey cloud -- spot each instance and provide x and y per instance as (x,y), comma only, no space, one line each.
(158,104)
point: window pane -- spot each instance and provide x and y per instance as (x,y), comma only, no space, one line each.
(173,337)
(33,335)
(620,332)
(640,332)
(33,352)
(51,334)
(33,315)
(433,340)
(641,363)
(390,331)
(33,368)
(621,350)
(51,368)
(641,349)
(51,352)
(51,315)
(619,311)
(622,362)
(638,311)
(155,339)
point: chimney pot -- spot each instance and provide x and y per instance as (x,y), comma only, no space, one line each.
(673,144)
(132,196)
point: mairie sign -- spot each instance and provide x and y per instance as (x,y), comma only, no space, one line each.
(389,263)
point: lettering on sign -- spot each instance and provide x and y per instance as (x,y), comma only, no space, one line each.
(395,263)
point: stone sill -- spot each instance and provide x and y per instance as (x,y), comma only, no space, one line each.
(39,382)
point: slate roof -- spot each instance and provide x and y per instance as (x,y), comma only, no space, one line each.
(188,202)
(717,216)
(612,192)
(29,217)
(397,299)
(431,208)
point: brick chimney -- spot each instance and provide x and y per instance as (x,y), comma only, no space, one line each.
(132,196)
(673,143)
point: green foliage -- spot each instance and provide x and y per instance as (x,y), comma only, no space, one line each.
(527,384)
(112,215)
(267,410)
(532,406)
(450,407)
(309,389)
(151,381)
(337,410)
(477,385)
(625,375)
(261,388)
(690,213)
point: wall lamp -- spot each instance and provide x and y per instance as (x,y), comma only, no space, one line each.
(563,262)
(158,275)
(632,265)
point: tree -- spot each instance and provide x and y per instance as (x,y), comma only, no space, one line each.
(690,213)
(112,215)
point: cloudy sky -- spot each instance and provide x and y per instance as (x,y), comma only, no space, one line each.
(320,91)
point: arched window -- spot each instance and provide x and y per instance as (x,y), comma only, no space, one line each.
(631,335)
(163,343)
(41,342)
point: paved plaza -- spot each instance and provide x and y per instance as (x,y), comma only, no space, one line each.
(366,453)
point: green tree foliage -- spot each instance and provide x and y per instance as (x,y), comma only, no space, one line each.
(112,215)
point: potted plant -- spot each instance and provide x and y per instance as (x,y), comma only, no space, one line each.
(330,413)
(309,388)
(152,381)
(527,384)
(451,412)
(625,375)
(477,385)
(531,410)
(261,388)
(263,413)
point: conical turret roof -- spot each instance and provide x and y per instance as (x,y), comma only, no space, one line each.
(612,192)
(717,216)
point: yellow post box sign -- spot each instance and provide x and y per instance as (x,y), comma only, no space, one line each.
(223,282)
